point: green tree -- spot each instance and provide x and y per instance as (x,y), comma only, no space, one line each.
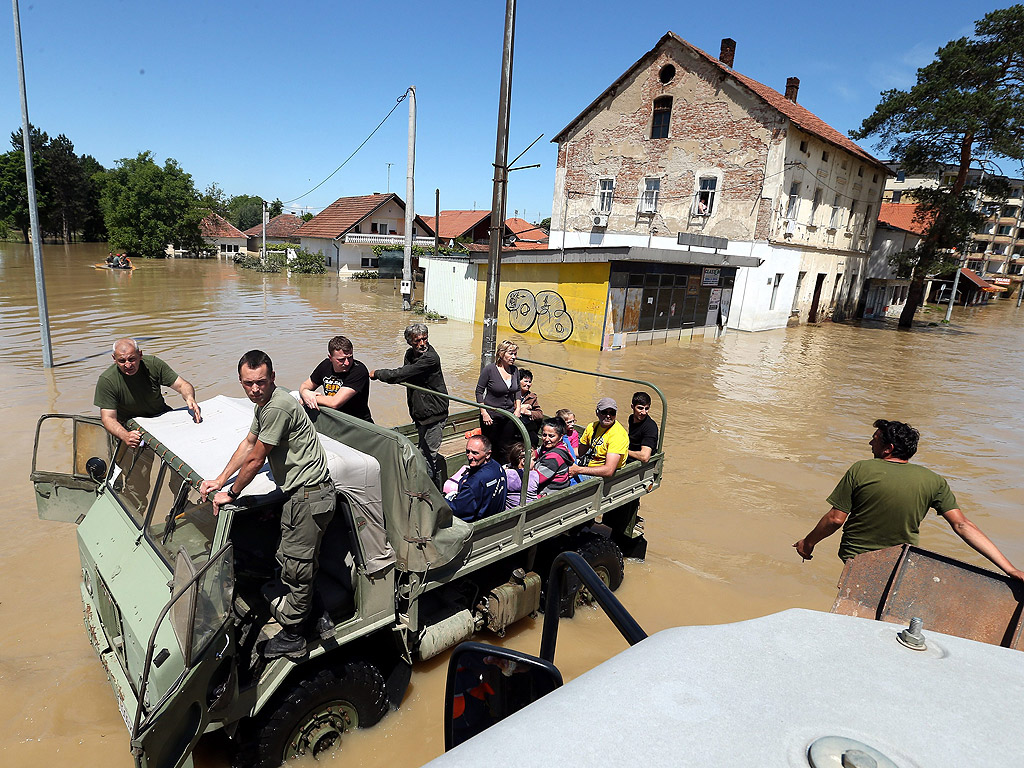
(214,200)
(306,216)
(93,228)
(147,207)
(966,104)
(545,224)
(276,207)
(245,211)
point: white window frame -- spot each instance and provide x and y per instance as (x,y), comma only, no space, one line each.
(793,207)
(816,203)
(605,195)
(705,198)
(649,199)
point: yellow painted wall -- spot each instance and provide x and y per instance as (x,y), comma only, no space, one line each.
(558,302)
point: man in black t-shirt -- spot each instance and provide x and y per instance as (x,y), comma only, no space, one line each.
(643,432)
(345,381)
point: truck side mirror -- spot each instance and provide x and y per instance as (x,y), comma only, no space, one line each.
(97,469)
(486,684)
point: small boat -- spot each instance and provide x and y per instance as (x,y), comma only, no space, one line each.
(114,267)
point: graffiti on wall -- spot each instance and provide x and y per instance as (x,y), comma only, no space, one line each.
(546,311)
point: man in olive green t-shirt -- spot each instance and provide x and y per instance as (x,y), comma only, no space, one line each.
(282,434)
(131,387)
(881,502)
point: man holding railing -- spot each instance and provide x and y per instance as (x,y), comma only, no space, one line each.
(422,367)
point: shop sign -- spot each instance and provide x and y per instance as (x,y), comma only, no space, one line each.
(711,276)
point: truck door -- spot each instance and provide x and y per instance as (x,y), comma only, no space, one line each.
(64,444)
(196,621)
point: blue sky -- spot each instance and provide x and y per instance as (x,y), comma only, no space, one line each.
(268,98)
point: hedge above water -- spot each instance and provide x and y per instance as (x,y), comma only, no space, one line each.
(305,263)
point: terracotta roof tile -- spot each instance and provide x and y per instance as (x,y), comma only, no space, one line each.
(216,225)
(279,226)
(525,231)
(798,114)
(902,216)
(345,212)
(455,224)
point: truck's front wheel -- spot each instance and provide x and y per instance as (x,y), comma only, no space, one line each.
(314,715)
(605,557)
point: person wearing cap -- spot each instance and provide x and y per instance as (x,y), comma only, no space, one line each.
(604,444)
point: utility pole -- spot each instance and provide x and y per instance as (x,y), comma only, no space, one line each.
(33,210)
(263,252)
(498,198)
(410,206)
(389,176)
(437,218)
(961,262)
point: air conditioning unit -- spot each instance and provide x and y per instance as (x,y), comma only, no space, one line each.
(600,220)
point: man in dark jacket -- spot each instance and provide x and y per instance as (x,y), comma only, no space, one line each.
(429,412)
(483,487)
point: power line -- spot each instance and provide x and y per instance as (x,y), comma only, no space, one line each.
(398,101)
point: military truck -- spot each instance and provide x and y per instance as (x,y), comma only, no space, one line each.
(172,592)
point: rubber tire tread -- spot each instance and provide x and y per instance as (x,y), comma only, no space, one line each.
(359,683)
(598,551)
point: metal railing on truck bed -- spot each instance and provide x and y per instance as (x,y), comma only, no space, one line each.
(554,513)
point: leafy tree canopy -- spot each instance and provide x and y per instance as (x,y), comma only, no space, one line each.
(966,106)
(276,207)
(147,207)
(245,211)
(214,200)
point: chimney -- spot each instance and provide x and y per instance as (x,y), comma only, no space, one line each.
(728,53)
(792,86)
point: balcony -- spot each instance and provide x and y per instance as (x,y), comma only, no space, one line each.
(354,239)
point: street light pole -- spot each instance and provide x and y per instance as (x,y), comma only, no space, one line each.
(33,211)
(410,207)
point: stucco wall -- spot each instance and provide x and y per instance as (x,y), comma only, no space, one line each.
(562,303)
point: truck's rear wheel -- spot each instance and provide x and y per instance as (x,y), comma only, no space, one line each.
(605,557)
(314,716)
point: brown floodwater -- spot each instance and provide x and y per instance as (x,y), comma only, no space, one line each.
(760,428)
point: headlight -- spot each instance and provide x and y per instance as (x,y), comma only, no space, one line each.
(87,580)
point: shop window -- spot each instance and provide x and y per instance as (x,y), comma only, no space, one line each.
(662,116)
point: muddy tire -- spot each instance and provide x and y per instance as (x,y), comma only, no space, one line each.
(605,557)
(314,715)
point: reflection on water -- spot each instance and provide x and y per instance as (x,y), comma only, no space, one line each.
(760,428)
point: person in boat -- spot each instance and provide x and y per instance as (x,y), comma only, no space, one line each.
(880,502)
(498,387)
(282,434)
(483,487)
(422,367)
(643,432)
(131,387)
(111,259)
(345,382)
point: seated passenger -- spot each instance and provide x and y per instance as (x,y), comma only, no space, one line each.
(514,478)
(530,412)
(570,434)
(482,489)
(553,460)
(604,444)
(643,432)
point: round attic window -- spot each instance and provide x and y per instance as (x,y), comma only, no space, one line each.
(667,73)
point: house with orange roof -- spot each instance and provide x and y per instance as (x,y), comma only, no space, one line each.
(900,228)
(222,237)
(685,161)
(465,226)
(280,229)
(345,233)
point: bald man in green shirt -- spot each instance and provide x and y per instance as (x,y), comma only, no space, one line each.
(881,502)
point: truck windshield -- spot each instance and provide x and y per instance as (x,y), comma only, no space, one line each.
(180,521)
(133,479)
